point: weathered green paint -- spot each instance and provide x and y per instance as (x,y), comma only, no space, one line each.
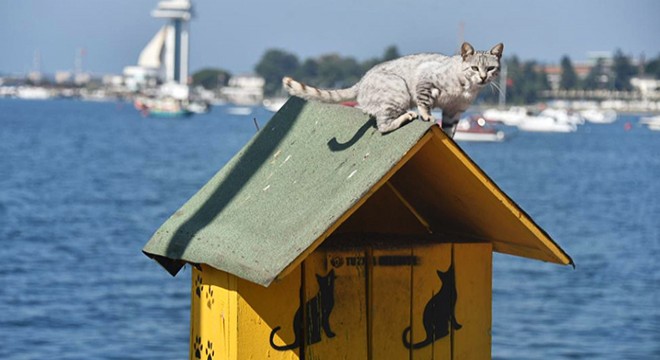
(315,164)
(308,166)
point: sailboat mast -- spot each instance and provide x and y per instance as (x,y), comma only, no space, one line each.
(503,77)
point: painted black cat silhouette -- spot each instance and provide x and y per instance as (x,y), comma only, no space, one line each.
(438,312)
(317,315)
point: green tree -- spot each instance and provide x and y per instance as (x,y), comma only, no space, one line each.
(391,53)
(274,65)
(211,78)
(525,81)
(652,67)
(536,81)
(308,72)
(623,71)
(369,63)
(569,79)
(597,77)
(515,81)
(335,71)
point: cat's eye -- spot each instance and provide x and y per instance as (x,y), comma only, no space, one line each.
(475,68)
(490,68)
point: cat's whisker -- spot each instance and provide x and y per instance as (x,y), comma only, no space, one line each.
(498,89)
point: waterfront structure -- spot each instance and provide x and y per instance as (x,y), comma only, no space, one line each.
(167,53)
(245,90)
(176,54)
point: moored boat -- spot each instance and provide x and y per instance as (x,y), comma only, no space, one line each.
(33,93)
(545,124)
(162,108)
(274,104)
(476,129)
(652,122)
(599,116)
(511,117)
(239,110)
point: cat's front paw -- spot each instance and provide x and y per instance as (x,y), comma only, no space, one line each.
(427,117)
(411,115)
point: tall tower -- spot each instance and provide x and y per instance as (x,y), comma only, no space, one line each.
(178,13)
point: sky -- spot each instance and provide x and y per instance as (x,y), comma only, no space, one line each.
(233,35)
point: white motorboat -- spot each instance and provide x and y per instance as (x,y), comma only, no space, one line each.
(652,122)
(239,110)
(563,116)
(476,129)
(545,124)
(274,104)
(33,93)
(511,117)
(599,116)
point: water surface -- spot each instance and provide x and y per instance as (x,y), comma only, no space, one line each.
(84,185)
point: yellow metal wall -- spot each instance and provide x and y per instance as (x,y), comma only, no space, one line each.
(379,300)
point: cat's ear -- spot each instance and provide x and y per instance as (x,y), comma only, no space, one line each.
(466,50)
(497,50)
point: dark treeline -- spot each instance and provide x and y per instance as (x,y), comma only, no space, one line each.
(526,80)
(327,71)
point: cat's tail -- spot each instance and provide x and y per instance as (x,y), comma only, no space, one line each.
(281,348)
(410,345)
(299,89)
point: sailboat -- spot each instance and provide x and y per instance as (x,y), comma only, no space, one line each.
(169,99)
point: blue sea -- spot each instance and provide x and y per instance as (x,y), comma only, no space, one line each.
(84,185)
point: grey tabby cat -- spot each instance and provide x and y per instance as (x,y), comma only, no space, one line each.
(389,90)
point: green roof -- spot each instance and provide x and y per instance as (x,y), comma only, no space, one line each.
(307,167)
(312,169)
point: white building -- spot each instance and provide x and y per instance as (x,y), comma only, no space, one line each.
(649,88)
(246,90)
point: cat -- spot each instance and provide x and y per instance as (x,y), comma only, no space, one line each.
(317,315)
(389,90)
(438,312)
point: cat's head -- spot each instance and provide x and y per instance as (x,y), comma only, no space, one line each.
(327,280)
(481,67)
(446,275)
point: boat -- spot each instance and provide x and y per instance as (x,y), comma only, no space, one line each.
(162,108)
(166,113)
(244,90)
(511,117)
(599,116)
(239,110)
(33,93)
(198,107)
(274,104)
(652,122)
(166,54)
(477,129)
(563,115)
(541,123)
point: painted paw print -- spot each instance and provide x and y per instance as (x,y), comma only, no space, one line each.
(210,353)
(210,300)
(198,286)
(198,347)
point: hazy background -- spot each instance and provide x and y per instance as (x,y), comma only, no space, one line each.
(234,34)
